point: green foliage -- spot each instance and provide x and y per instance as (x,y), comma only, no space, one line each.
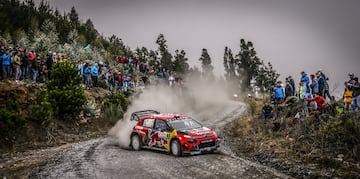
(180,64)
(64,75)
(246,66)
(252,107)
(266,78)
(65,92)
(343,133)
(166,57)
(42,111)
(10,116)
(332,126)
(90,110)
(113,112)
(115,105)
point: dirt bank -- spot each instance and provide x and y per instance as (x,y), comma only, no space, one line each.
(291,150)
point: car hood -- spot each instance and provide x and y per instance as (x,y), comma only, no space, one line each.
(197,131)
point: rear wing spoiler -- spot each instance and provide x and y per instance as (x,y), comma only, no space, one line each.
(138,114)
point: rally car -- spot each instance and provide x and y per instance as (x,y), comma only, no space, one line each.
(174,133)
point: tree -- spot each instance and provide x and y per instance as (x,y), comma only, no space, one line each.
(165,56)
(247,67)
(46,39)
(266,78)
(89,31)
(74,18)
(6,39)
(248,64)
(206,64)
(231,74)
(21,38)
(180,64)
(65,93)
(153,60)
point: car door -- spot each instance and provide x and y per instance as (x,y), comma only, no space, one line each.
(161,133)
(148,130)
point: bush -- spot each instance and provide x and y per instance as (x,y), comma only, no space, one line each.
(64,75)
(10,116)
(42,110)
(90,110)
(65,92)
(115,105)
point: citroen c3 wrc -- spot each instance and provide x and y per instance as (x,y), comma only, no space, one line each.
(175,133)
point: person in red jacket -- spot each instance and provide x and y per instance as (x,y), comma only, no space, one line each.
(319,100)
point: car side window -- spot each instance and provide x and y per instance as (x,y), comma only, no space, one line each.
(161,125)
(149,123)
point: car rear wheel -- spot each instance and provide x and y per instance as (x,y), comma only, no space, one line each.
(135,142)
(175,148)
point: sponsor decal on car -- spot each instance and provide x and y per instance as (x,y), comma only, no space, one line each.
(170,136)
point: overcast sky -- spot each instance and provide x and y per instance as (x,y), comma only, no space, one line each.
(292,35)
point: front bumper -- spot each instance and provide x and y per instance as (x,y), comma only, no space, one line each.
(196,150)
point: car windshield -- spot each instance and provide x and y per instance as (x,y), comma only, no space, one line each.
(184,123)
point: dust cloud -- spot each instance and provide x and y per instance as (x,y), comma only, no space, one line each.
(198,99)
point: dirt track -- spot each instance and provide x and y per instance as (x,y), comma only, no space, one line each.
(103,158)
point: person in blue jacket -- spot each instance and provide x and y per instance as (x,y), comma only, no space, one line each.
(314,85)
(6,60)
(94,74)
(87,75)
(279,93)
(305,77)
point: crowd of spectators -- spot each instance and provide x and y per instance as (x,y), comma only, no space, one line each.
(312,88)
(21,64)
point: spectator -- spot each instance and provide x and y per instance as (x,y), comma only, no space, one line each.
(314,85)
(2,51)
(351,76)
(55,57)
(24,66)
(321,84)
(278,93)
(347,96)
(80,68)
(6,60)
(17,64)
(94,75)
(356,94)
(319,100)
(292,83)
(171,79)
(267,112)
(44,73)
(306,79)
(124,82)
(35,68)
(326,91)
(289,90)
(87,75)
(302,91)
(49,63)
(303,95)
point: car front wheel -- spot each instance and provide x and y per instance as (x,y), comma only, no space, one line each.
(135,142)
(175,148)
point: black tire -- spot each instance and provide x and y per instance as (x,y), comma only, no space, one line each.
(175,148)
(136,143)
